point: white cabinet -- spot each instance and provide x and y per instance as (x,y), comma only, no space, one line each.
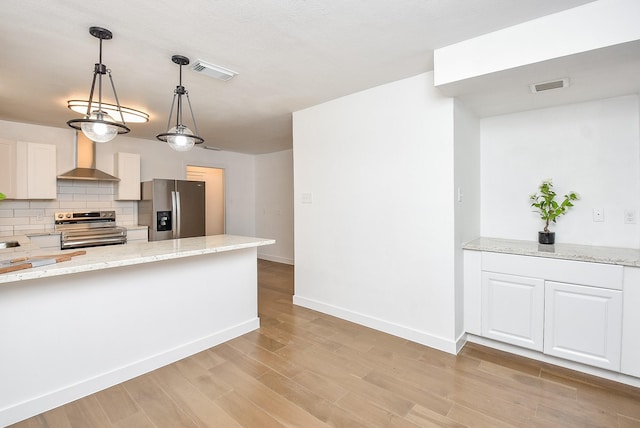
(46,242)
(127,169)
(563,308)
(513,309)
(28,170)
(631,322)
(583,324)
(138,235)
(8,168)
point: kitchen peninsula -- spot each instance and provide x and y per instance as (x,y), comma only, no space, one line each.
(73,328)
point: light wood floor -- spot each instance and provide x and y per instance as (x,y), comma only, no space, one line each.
(306,369)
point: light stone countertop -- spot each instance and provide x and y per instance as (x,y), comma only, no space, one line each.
(125,255)
(584,253)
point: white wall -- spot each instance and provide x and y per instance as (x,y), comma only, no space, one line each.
(592,148)
(274,205)
(157,161)
(376,243)
(466,197)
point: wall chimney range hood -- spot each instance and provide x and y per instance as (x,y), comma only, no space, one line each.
(86,163)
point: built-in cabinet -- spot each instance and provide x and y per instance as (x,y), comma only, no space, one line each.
(27,170)
(631,322)
(583,324)
(513,309)
(127,169)
(564,308)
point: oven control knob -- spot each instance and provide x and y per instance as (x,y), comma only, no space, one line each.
(60,215)
(68,215)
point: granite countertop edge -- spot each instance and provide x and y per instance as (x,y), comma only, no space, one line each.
(131,254)
(585,253)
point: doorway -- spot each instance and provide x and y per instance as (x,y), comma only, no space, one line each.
(214,191)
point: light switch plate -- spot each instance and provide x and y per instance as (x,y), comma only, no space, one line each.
(306,198)
(630,216)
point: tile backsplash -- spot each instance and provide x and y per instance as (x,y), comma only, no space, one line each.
(23,217)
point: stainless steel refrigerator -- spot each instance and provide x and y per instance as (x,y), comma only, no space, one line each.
(172,208)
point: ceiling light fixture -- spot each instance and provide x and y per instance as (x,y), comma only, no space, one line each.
(97,124)
(180,138)
(130,115)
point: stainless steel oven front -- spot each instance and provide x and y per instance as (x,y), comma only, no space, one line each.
(83,229)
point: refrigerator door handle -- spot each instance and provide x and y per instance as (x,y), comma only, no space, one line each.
(175,218)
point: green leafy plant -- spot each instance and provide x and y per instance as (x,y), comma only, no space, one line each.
(548,208)
(2,196)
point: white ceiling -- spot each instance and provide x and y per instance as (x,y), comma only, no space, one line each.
(290,55)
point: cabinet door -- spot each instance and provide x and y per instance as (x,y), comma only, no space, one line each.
(127,169)
(41,171)
(513,309)
(583,324)
(8,168)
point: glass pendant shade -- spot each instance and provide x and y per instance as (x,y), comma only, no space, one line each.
(99,129)
(181,139)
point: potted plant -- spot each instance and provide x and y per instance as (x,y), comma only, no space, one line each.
(2,196)
(549,209)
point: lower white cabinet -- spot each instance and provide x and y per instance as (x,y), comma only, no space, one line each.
(46,242)
(568,309)
(138,235)
(630,358)
(513,309)
(583,324)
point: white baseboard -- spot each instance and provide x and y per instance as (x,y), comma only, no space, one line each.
(539,356)
(48,401)
(408,333)
(276,259)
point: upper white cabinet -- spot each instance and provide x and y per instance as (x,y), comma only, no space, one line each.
(583,324)
(8,168)
(27,170)
(127,169)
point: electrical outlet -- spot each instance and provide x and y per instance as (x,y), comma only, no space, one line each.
(598,214)
(630,216)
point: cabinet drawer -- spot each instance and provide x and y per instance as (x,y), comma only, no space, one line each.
(569,271)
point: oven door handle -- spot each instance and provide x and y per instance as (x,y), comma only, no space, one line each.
(93,242)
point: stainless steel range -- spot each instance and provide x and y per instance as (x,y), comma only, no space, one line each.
(89,229)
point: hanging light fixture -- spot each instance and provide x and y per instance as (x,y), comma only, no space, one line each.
(98,125)
(130,115)
(179,137)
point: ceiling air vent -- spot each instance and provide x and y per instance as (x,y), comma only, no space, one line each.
(212,70)
(547,86)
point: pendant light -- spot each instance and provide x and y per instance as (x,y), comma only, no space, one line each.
(179,137)
(97,124)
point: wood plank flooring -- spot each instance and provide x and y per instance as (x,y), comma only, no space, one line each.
(306,369)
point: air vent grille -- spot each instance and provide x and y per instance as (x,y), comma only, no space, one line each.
(548,86)
(212,70)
